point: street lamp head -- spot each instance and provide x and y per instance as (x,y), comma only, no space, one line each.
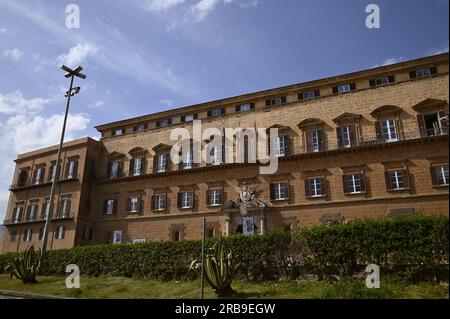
(75,72)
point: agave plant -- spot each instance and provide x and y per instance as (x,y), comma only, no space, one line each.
(220,268)
(25,267)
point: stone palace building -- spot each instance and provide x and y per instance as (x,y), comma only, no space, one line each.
(366,144)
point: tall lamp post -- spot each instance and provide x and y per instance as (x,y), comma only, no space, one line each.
(72,91)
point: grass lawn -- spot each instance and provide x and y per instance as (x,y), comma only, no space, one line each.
(120,287)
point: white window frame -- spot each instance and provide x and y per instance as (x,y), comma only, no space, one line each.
(60,231)
(308,95)
(280,144)
(315,187)
(214,196)
(163,123)
(28,235)
(118,132)
(33,211)
(38,177)
(189,118)
(134,204)
(382,81)
(354,187)
(64,204)
(71,171)
(215,155)
(344,88)
(441,175)
(389,130)
(45,207)
(216,112)
(396,178)
(139,128)
(115,168)
(110,207)
(53,172)
(187,159)
(422,73)
(137,169)
(346,138)
(276,101)
(245,107)
(186,199)
(160,202)
(16,214)
(161,166)
(315,141)
(280,191)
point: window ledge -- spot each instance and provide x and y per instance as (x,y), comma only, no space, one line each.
(441,186)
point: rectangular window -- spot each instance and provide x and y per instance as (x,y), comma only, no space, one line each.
(216,112)
(245,107)
(13,236)
(140,128)
(44,209)
(185,200)
(176,235)
(41,234)
(314,187)
(382,81)
(346,141)
(59,233)
(280,191)
(389,130)
(215,156)
(133,204)
(354,183)
(214,197)
(115,169)
(71,169)
(315,145)
(344,88)
(118,132)
(421,73)
(32,212)
(23,178)
(87,233)
(27,235)
(17,214)
(440,175)
(276,101)
(187,160)
(159,202)
(52,172)
(397,180)
(39,175)
(189,118)
(308,95)
(110,206)
(137,165)
(162,162)
(163,123)
(64,207)
(280,145)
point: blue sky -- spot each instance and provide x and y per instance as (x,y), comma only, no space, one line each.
(151,55)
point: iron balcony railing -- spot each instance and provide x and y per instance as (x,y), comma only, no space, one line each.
(39,218)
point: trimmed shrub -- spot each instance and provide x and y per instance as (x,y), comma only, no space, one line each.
(413,248)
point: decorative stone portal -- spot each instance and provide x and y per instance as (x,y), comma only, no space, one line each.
(246,214)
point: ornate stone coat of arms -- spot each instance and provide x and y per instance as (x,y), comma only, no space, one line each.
(246,198)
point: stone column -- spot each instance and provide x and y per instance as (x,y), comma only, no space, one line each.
(227,225)
(262,222)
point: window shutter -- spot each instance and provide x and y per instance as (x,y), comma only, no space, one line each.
(406,178)
(287,147)
(128,204)
(323,187)
(316,93)
(321,136)
(344,182)
(153,203)
(120,168)
(222,111)
(412,74)
(238,108)
(351,129)
(391,79)
(307,189)
(288,190)
(155,163)
(433,70)
(63,232)
(388,181)
(272,191)
(421,122)
(108,169)
(335,90)
(372,83)
(209,113)
(267,102)
(131,166)
(339,136)
(221,196)
(252,106)
(68,208)
(208,197)
(75,168)
(115,207)
(378,130)
(308,135)
(167,159)
(28,215)
(434,178)
(183,119)
(191,202)
(169,122)
(42,175)
(444,122)
(283,99)
(195,116)
(105,206)
(139,204)
(300,96)
(179,198)
(362,178)
(352,86)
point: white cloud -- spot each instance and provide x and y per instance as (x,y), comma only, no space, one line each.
(438,51)
(97,104)
(162,5)
(203,8)
(15,103)
(389,61)
(77,54)
(14,54)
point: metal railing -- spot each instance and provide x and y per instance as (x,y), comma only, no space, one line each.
(40,218)
(43,182)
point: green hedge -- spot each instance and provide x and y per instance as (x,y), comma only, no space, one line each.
(412,247)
